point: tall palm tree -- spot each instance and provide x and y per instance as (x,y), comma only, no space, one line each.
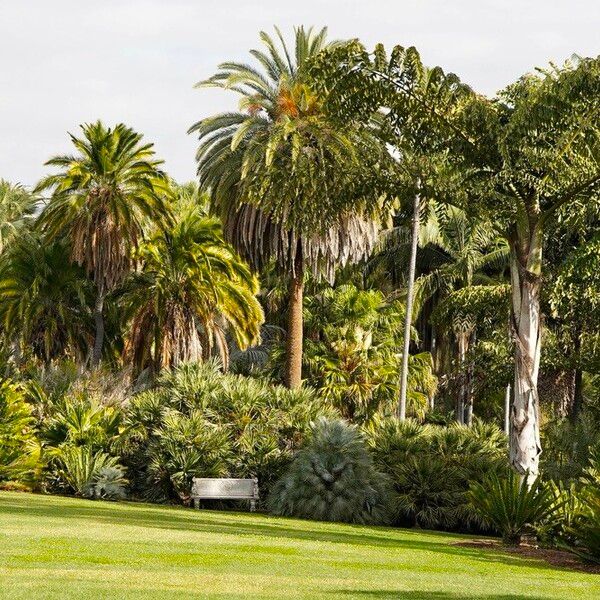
(455,251)
(285,176)
(103,197)
(44,300)
(17,205)
(191,291)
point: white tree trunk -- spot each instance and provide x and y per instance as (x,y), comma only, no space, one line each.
(416,222)
(525,446)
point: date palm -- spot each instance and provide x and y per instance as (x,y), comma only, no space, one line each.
(44,300)
(191,291)
(103,198)
(287,179)
(17,205)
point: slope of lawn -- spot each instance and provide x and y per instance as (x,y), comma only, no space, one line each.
(52,547)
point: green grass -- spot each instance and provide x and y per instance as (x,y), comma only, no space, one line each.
(53,547)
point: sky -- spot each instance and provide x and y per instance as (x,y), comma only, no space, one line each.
(66,62)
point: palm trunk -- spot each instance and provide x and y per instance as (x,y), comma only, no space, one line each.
(99,323)
(469,399)
(463,390)
(293,370)
(525,446)
(416,221)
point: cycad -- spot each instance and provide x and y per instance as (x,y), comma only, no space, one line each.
(510,504)
(285,176)
(103,199)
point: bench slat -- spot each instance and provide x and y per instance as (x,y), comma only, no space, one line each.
(222,489)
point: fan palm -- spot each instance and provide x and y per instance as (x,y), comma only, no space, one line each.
(285,176)
(192,289)
(44,300)
(103,197)
(16,206)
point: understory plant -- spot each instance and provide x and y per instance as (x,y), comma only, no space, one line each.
(432,466)
(333,478)
(199,422)
(512,506)
(89,473)
(19,446)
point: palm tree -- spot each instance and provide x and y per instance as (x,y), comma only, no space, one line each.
(44,300)
(285,176)
(17,206)
(455,251)
(103,198)
(191,291)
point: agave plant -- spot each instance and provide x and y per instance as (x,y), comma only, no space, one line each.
(511,505)
(333,478)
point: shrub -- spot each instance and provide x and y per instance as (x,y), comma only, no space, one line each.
(108,483)
(511,506)
(432,467)
(583,535)
(333,478)
(199,422)
(79,469)
(19,447)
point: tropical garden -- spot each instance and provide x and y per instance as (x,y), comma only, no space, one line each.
(380,297)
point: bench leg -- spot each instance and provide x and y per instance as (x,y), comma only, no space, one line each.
(252,505)
(197,503)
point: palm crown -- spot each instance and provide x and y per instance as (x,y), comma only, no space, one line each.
(282,172)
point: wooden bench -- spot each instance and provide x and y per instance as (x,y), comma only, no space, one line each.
(224,489)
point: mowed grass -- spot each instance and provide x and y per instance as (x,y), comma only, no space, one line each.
(52,547)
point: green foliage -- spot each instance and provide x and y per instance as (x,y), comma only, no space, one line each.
(190,292)
(569,447)
(17,206)
(89,473)
(351,353)
(333,478)
(433,466)
(44,300)
(201,422)
(283,173)
(511,506)
(19,446)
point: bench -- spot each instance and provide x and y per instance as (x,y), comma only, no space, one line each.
(224,489)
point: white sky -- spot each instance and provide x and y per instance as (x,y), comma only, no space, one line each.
(64,62)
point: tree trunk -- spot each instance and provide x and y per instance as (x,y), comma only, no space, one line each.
(99,323)
(416,221)
(525,446)
(293,370)
(463,388)
(578,382)
(469,399)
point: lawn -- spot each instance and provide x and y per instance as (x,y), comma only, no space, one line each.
(53,547)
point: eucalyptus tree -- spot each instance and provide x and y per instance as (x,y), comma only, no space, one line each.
(17,206)
(291,181)
(103,199)
(519,159)
(191,291)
